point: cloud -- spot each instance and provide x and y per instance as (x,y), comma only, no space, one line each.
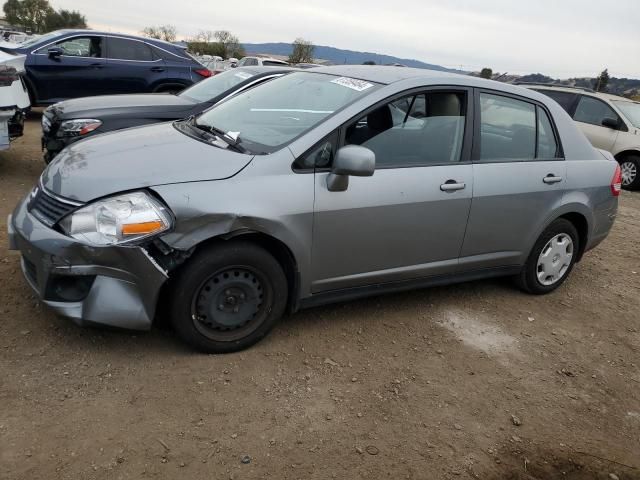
(562,39)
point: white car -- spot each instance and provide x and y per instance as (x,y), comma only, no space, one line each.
(262,62)
(610,122)
(14,98)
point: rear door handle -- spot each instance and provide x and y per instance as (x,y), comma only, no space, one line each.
(452,186)
(96,65)
(551,179)
(157,69)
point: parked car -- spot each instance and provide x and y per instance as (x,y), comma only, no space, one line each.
(14,99)
(261,62)
(67,122)
(79,63)
(306,191)
(610,122)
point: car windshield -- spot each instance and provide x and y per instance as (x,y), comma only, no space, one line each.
(39,39)
(212,87)
(631,110)
(264,119)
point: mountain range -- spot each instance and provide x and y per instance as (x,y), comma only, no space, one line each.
(339,56)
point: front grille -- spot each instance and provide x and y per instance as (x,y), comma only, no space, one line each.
(48,209)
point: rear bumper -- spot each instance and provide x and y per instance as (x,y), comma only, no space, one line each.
(107,286)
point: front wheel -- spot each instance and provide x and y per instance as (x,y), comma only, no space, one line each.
(228,297)
(551,259)
(630,169)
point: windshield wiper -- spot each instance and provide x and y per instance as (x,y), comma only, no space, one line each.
(234,143)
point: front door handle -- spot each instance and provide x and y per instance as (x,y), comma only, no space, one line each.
(96,65)
(551,179)
(157,69)
(452,186)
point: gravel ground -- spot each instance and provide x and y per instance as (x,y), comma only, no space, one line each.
(469,381)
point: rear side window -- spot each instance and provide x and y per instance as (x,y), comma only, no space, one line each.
(565,99)
(123,49)
(547,143)
(593,111)
(164,55)
(507,128)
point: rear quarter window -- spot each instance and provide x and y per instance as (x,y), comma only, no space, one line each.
(565,99)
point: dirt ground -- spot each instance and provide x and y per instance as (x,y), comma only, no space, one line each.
(469,381)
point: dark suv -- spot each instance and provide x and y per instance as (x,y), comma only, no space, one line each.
(80,63)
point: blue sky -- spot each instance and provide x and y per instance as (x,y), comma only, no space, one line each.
(561,38)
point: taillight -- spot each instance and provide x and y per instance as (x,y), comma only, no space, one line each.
(203,72)
(616,182)
(8,75)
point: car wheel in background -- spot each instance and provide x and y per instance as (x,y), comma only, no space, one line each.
(630,167)
(551,259)
(228,297)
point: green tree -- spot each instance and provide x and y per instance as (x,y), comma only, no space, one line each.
(302,51)
(229,44)
(601,81)
(31,14)
(167,33)
(65,19)
(486,73)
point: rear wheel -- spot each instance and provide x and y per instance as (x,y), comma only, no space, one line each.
(551,259)
(228,297)
(630,168)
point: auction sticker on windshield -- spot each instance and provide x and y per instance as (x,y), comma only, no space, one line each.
(353,83)
(243,75)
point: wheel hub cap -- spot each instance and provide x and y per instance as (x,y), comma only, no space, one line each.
(229,300)
(629,172)
(555,259)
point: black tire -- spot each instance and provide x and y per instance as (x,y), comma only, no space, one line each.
(228,297)
(630,166)
(528,279)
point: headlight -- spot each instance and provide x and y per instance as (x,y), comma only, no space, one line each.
(117,220)
(79,126)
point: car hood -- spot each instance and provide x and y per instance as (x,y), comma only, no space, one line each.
(120,104)
(13,60)
(137,158)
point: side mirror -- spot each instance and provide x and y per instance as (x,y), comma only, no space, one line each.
(611,123)
(351,160)
(55,52)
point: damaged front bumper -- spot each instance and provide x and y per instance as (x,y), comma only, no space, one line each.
(110,286)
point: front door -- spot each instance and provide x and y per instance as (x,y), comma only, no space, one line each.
(78,72)
(519,178)
(408,220)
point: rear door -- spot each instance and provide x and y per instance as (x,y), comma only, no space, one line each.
(78,72)
(589,115)
(407,221)
(519,178)
(132,67)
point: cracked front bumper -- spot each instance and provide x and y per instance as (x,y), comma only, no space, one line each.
(108,286)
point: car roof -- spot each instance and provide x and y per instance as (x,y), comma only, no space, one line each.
(579,90)
(68,31)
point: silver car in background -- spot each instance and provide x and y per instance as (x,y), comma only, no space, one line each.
(320,186)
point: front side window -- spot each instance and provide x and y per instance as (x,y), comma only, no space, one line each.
(424,129)
(212,87)
(123,49)
(631,110)
(82,47)
(266,118)
(593,111)
(507,128)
